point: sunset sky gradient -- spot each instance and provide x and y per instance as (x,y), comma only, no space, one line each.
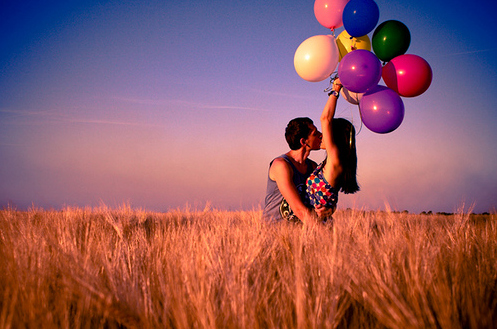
(161,104)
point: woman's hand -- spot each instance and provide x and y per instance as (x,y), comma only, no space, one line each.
(337,85)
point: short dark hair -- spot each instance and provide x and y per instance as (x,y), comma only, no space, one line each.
(297,129)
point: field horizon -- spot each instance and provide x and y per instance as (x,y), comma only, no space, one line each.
(189,268)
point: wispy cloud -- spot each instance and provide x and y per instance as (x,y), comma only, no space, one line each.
(466,52)
(143,101)
(107,122)
(164,102)
(225,107)
(32,117)
(282,94)
(9,113)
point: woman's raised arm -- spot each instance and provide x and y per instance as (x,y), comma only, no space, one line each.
(333,167)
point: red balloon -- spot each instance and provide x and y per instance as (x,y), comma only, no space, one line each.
(408,75)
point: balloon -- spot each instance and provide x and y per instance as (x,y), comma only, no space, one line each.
(359,70)
(346,43)
(382,109)
(351,97)
(316,58)
(391,39)
(329,12)
(408,75)
(360,17)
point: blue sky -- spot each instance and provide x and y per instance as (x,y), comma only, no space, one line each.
(160,104)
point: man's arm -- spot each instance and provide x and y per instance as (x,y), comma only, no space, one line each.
(281,172)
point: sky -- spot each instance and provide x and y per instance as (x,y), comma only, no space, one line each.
(166,104)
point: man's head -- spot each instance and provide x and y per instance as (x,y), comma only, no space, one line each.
(301,131)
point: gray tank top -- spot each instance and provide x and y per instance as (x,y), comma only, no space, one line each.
(274,198)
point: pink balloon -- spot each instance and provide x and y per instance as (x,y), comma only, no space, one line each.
(408,75)
(316,58)
(382,109)
(329,12)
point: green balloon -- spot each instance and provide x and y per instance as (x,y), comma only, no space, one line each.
(390,39)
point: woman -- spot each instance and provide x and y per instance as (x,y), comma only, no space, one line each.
(338,171)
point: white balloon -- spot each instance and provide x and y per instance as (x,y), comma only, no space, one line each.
(351,97)
(316,58)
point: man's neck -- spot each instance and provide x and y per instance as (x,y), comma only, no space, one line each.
(298,156)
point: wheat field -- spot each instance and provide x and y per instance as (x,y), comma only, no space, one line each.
(189,268)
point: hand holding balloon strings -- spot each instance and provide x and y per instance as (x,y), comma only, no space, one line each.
(335,84)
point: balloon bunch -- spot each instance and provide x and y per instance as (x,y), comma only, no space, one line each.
(360,69)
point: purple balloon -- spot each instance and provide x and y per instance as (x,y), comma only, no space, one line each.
(359,70)
(382,109)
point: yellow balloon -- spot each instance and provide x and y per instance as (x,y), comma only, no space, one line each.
(346,43)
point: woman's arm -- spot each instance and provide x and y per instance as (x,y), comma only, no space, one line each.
(332,168)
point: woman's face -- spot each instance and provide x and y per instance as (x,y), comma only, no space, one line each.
(322,146)
(315,138)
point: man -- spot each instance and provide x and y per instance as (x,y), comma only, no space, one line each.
(288,173)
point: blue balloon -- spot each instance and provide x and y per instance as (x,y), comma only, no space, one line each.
(360,17)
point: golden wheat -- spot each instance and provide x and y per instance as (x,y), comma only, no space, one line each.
(128,268)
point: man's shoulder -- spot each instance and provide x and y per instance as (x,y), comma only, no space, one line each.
(280,166)
(281,158)
(279,162)
(283,161)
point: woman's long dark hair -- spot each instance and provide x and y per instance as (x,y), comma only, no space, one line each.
(344,138)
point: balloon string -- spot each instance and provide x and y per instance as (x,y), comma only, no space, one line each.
(360,116)
(360,127)
(333,77)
